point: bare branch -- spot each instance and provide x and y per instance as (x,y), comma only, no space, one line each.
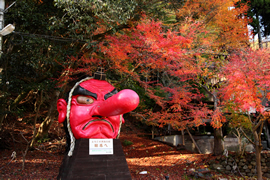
(247,137)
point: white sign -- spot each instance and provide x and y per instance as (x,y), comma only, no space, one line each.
(100,146)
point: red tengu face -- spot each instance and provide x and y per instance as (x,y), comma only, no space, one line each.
(84,122)
(96,109)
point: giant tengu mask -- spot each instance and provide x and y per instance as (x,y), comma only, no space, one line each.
(94,109)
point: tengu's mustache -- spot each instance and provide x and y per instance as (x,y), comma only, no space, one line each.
(104,120)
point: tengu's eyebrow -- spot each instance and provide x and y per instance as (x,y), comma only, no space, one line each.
(81,91)
(110,94)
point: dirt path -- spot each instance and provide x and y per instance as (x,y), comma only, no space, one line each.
(147,159)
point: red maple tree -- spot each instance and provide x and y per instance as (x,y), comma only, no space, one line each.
(226,24)
(150,49)
(166,60)
(245,92)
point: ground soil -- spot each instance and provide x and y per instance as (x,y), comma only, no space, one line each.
(146,158)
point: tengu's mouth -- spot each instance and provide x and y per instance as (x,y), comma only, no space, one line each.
(102,121)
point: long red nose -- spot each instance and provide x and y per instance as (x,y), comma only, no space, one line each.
(120,103)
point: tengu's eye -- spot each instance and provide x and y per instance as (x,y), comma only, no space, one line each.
(84,100)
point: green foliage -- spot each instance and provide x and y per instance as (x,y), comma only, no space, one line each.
(259,14)
(44,139)
(110,11)
(30,63)
(238,120)
(124,82)
(34,58)
(127,143)
(88,20)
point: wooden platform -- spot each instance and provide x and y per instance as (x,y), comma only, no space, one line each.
(97,167)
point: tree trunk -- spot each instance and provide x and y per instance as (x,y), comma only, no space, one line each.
(239,139)
(2,115)
(258,148)
(257,131)
(218,135)
(183,137)
(46,124)
(259,32)
(153,132)
(194,141)
(26,150)
(4,90)
(218,142)
(40,101)
(257,142)
(258,161)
